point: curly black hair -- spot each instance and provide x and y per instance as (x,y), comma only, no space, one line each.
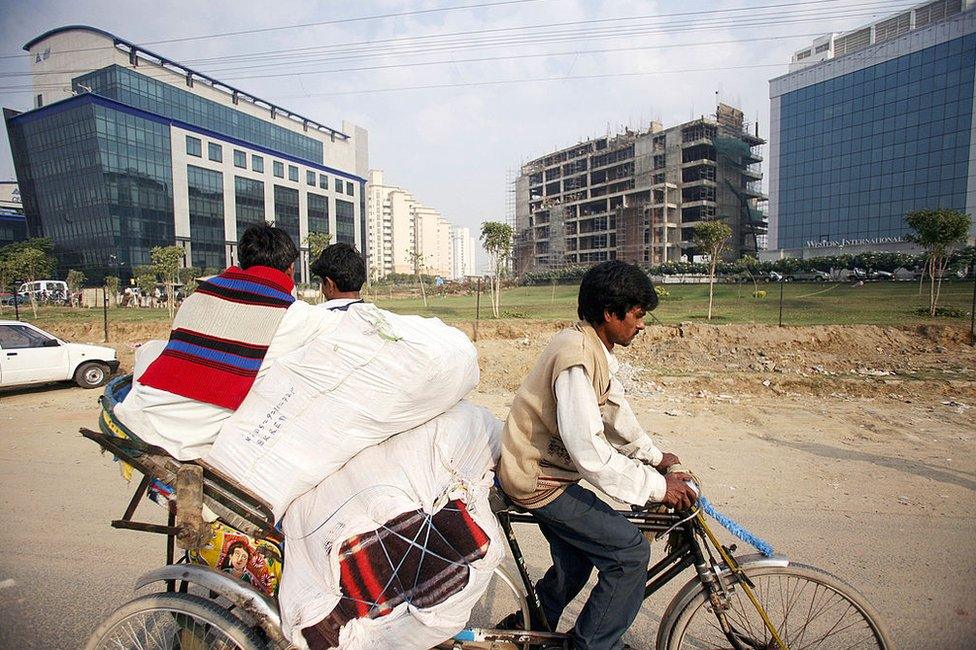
(615,287)
(264,245)
(343,264)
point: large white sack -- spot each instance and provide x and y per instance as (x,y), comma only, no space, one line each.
(373,376)
(450,457)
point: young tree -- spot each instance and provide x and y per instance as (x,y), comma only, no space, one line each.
(188,278)
(75,280)
(419,261)
(317,242)
(711,236)
(29,264)
(166,263)
(112,288)
(496,237)
(146,280)
(938,232)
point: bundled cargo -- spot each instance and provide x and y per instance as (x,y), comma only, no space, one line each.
(395,549)
(375,375)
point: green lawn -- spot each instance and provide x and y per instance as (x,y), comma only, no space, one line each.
(876,303)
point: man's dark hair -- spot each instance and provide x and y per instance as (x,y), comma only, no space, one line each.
(616,287)
(343,264)
(265,245)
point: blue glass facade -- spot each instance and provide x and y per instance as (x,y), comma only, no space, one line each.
(139,91)
(859,151)
(318,213)
(345,222)
(98,182)
(13,228)
(206,193)
(249,203)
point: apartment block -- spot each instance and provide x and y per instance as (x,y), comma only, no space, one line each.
(636,196)
(400,226)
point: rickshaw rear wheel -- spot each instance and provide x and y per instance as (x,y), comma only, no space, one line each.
(173,620)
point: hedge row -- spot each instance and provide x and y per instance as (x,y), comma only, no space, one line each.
(960,259)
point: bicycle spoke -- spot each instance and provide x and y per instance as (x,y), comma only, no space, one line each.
(809,611)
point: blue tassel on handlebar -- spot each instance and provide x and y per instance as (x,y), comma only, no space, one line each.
(734,528)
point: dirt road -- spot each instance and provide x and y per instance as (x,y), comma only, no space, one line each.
(868,474)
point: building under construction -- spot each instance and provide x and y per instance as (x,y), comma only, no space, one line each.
(636,196)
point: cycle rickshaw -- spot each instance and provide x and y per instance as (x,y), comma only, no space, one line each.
(744,602)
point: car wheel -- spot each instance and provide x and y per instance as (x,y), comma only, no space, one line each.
(91,374)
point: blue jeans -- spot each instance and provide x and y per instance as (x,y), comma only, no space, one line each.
(584,532)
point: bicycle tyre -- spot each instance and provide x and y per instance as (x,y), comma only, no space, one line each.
(218,627)
(695,624)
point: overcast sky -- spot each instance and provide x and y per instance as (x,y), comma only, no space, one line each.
(543,79)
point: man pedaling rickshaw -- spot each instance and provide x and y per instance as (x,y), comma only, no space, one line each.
(569,421)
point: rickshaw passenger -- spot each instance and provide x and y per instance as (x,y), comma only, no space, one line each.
(224,336)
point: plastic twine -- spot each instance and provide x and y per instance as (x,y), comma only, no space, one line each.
(761,545)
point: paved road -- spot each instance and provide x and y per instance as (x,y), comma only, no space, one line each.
(822,501)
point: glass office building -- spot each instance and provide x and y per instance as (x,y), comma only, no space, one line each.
(139,152)
(13,228)
(861,139)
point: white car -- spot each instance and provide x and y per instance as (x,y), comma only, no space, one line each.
(29,355)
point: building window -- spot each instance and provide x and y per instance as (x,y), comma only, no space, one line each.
(338,185)
(286,212)
(206,193)
(142,92)
(193,146)
(215,152)
(323,181)
(40,101)
(349,189)
(292,173)
(257,163)
(345,222)
(310,178)
(249,198)
(279,169)
(318,213)
(240,159)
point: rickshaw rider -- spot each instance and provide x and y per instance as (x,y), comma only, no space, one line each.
(570,421)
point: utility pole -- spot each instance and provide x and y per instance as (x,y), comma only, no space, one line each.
(781,283)
(477,310)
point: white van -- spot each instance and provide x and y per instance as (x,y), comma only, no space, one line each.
(45,289)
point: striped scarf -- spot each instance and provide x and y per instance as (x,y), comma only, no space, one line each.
(220,336)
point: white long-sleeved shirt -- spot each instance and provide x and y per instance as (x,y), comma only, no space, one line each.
(607,447)
(187,428)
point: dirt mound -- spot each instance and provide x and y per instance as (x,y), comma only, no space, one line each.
(744,359)
(124,337)
(855,360)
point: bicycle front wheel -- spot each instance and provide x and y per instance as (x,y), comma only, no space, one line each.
(810,608)
(169,621)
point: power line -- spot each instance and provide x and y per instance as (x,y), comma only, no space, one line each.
(374,42)
(802,16)
(320,23)
(500,82)
(556,36)
(511,42)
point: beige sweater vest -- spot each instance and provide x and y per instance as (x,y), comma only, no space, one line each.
(535,467)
